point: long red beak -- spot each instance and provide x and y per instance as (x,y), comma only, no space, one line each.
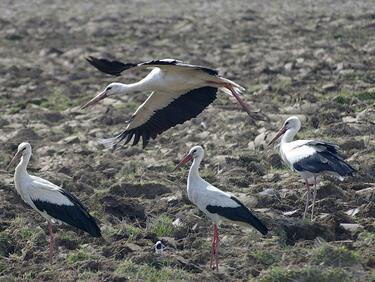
(279,133)
(184,160)
(16,157)
(95,100)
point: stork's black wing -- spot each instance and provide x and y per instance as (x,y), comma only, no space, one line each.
(116,67)
(150,124)
(70,211)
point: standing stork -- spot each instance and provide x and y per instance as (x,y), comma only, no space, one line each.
(52,202)
(310,158)
(179,92)
(216,204)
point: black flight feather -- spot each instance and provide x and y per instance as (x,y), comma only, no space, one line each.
(109,67)
(183,108)
(75,215)
(240,214)
(116,67)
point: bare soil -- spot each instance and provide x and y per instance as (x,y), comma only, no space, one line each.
(314,59)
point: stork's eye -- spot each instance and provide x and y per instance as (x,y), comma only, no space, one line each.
(23,149)
(109,88)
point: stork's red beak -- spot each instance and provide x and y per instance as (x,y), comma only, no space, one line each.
(95,100)
(16,157)
(184,160)
(279,133)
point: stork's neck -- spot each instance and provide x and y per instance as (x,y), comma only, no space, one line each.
(133,87)
(289,135)
(194,171)
(21,169)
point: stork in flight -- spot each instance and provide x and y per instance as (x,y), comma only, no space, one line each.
(52,202)
(310,158)
(179,92)
(216,204)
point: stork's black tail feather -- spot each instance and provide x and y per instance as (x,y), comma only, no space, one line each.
(109,67)
(249,218)
(239,214)
(338,165)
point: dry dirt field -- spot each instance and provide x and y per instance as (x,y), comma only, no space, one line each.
(314,59)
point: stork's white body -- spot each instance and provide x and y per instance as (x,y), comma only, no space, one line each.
(35,188)
(294,151)
(216,204)
(201,193)
(49,200)
(179,92)
(310,158)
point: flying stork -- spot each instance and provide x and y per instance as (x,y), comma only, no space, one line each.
(216,204)
(310,158)
(49,200)
(179,92)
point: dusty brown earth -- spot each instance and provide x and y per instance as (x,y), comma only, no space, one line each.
(314,59)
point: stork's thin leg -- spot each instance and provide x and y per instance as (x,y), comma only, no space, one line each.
(313,203)
(307,199)
(51,242)
(212,250)
(235,95)
(216,231)
(240,101)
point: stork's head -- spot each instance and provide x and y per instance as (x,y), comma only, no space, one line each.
(24,149)
(197,152)
(112,89)
(292,123)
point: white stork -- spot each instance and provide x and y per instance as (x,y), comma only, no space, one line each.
(52,202)
(310,158)
(216,204)
(179,92)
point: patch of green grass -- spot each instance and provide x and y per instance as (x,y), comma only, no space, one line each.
(5,243)
(254,87)
(346,97)
(343,100)
(208,174)
(26,233)
(368,95)
(78,256)
(281,236)
(56,101)
(366,238)
(9,278)
(125,230)
(306,274)
(266,257)
(277,274)
(29,276)
(3,265)
(334,256)
(130,171)
(145,272)
(88,276)
(368,76)
(162,226)
(133,231)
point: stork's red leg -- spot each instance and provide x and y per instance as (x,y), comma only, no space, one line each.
(216,234)
(51,242)
(234,94)
(212,250)
(239,100)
